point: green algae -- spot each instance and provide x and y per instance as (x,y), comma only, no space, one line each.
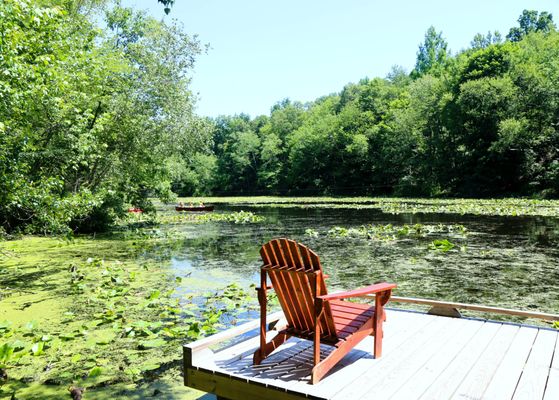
(239,217)
(100,314)
(111,311)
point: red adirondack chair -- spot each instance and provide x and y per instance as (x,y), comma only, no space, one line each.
(311,313)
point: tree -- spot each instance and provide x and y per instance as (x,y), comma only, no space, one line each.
(531,21)
(481,42)
(481,123)
(89,118)
(493,60)
(432,53)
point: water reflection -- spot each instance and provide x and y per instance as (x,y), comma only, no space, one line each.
(503,261)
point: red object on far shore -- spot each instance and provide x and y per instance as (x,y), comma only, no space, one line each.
(135,210)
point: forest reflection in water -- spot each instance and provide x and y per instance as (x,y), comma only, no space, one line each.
(500,261)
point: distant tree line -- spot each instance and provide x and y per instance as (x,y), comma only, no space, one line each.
(481,122)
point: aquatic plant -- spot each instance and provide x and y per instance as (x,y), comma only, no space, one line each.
(390,232)
(121,321)
(441,245)
(513,207)
(238,217)
(311,232)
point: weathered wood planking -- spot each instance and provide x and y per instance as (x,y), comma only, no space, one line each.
(552,388)
(425,357)
(435,365)
(444,385)
(396,371)
(506,377)
(534,376)
(478,378)
(398,331)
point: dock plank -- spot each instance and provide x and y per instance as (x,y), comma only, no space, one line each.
(508,373)
(477,380)
(384,365)
(440,360)
(534,376)
(388,382)
(552,387)
(235,388)
(446,383)
(425,357)
(400,328)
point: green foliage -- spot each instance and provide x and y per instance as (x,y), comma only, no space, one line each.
(480,41)
(391,233)
(441,245)
(531,21)
(6,352)
(479,123)
(512,207)
(89,117)
(236,217)
(167,4)
(432,54)
(123,322)
(239,217)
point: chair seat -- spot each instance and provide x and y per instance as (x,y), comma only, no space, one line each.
(349,317)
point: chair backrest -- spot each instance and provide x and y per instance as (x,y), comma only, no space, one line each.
(296,275)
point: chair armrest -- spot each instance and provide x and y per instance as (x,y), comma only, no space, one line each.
(376,288)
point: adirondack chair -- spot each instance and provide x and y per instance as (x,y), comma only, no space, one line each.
(311,313)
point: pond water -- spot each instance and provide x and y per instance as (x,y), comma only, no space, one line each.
(82,297)
(500,261)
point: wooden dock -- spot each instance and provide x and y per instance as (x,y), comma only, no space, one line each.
(425,357)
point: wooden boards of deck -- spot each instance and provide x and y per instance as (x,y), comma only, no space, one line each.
(424,357)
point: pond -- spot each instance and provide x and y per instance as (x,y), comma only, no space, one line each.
(110,312)
(500,261)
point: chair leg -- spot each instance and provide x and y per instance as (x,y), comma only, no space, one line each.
(341,349)
(378,319)
(263,352)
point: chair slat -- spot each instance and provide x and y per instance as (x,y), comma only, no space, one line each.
(279,282)
(289,286)
(308,293)
(286,251)
(306,257)
(303,309)
(315,260)
(264,255)
(306,301)
(282,297)
(279,253)
(292,244)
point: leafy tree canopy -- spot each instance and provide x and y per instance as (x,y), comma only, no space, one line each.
(432,53)
(89,116)
(483,122)
(531,21)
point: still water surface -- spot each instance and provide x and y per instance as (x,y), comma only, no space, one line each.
(501,261)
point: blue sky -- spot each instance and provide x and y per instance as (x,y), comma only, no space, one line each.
(262,51)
